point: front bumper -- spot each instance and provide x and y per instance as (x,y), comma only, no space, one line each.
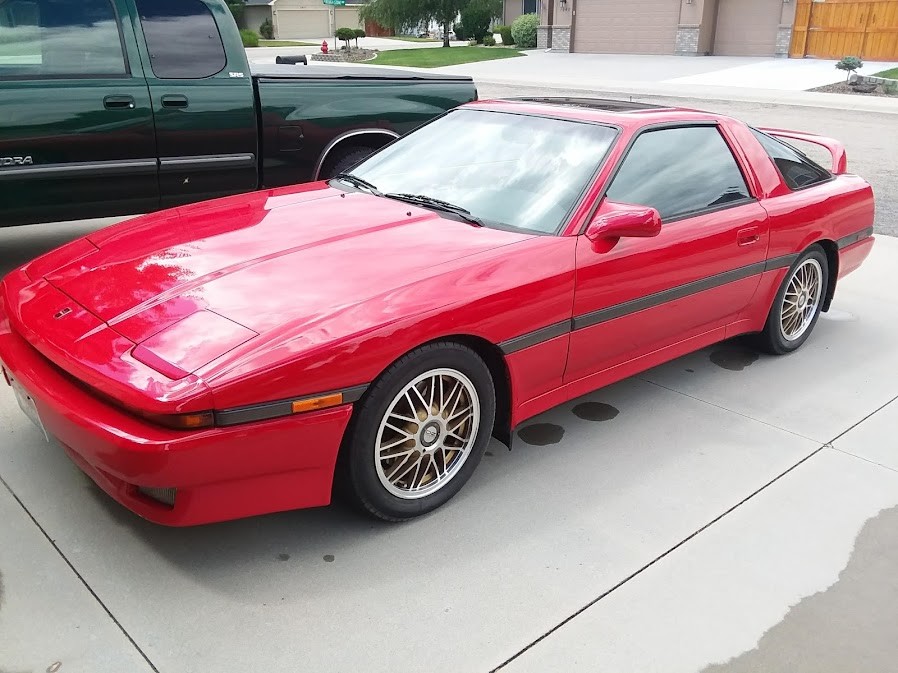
(219,473)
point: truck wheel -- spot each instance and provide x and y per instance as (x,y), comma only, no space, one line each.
(419,433)
(341,161)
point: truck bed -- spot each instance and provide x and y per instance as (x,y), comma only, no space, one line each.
(359,72)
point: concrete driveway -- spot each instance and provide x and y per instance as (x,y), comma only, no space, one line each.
(721,506)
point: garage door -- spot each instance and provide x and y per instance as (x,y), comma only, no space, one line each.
(631,27)
(297,23)
(747,28)
(348,18)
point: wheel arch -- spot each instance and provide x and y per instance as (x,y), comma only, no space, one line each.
(832,263)
(368,137)
(494,359)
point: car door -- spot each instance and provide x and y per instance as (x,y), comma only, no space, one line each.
(203,100)
(695,277)
(76,127)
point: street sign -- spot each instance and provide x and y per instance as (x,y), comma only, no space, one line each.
(339,3)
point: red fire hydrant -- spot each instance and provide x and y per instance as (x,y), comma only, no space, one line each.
(324,47)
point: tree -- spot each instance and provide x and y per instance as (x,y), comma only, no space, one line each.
(238,8)
(345,34)
(851,64)
(358,33)
(397,14)
(477,17)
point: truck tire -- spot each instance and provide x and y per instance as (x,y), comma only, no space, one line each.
(342,161)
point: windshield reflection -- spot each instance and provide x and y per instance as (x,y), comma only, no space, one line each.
(515,170)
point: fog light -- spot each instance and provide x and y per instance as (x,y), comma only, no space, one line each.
(164,495)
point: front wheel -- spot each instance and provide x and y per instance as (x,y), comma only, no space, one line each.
(797,305)
(420,432)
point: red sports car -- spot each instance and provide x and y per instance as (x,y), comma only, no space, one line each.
(245,355)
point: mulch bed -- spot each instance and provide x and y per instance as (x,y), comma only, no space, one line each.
(842,87)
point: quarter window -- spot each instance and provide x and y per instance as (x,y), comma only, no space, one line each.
(679,172)
(59,38)
(182,38)
(798,170)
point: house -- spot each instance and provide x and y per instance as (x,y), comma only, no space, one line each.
(301,19)
(797,28)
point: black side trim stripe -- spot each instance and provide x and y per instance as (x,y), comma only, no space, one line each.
(211,162)
(851,239)
(80,169)
(650,301)
(674,293)
(783,262)
(533,338)
(268,410)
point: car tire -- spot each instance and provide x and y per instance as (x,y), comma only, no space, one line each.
(342,161)
(797,305)
(411,444)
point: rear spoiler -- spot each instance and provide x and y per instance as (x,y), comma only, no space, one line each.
(836,149)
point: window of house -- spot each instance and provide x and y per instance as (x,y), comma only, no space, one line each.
(182,38)
(530,7)
(679,172)
(59,38)
(797,169)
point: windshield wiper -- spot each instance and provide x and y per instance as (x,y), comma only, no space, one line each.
(430,202)
(357,182)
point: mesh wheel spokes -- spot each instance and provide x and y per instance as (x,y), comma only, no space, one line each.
(803,293)
(427,433)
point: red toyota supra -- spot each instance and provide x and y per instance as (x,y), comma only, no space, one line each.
(246,355)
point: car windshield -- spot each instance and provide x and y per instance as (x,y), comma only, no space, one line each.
(510,170)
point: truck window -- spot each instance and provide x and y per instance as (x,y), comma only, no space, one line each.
(182,38)
(59,38)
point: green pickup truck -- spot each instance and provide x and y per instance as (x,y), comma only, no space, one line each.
(115,107)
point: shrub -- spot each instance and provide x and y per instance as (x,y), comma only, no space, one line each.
(358,33)
(505,32)
(850,64)
(475,21)
(459,31)
(266,30)
(523,30)
(250,38)
(345,34)
(489,41)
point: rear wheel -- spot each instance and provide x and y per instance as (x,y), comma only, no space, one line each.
(342,161)
(797,305)
(420,432)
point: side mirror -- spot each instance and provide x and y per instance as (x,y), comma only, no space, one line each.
(623,220)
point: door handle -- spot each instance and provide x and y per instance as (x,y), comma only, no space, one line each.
(748,236)
(174,101)
(118,102)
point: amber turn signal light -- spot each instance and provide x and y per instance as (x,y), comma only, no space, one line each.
(316,403)
(200,419)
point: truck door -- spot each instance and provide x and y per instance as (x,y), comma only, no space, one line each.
(203,99)
(76,126)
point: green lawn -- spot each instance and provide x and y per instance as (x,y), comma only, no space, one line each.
(437,57)
(410,38)
(285,43)
(890,74)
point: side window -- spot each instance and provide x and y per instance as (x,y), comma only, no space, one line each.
(679,172)
(798,171)
(59,38)
(529,7)
(182,38)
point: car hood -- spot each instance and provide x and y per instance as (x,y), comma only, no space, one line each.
(229,270)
